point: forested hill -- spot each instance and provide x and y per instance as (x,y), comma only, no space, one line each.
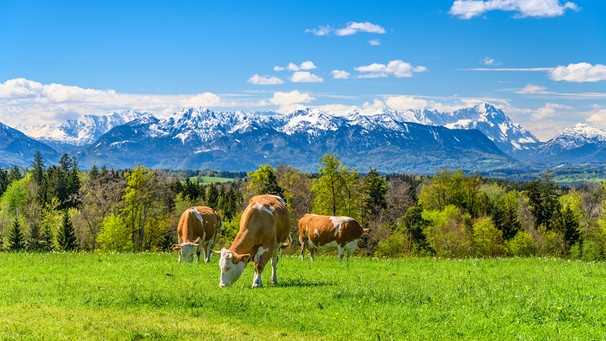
(448,214)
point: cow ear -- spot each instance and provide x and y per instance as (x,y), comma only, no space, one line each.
(176,247)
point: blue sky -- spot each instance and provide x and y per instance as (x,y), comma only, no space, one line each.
(542,61)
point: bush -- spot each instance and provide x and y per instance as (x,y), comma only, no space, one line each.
(522,245)
(591,251)
(393,246)
(114,235)
(488,240)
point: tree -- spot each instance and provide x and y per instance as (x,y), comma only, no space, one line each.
(16,241)
(543,200)
(488,240)
(212,196)
(114,235)
(375,190)
(297,192)
(66,236)
(264,181)
(37,169)
(335,188)
(14,174)
(100,195)
(3,180)
(148,203)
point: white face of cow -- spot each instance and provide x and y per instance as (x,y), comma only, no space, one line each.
(231,267)
(188,251)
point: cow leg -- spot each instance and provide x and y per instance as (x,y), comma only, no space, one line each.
(302,251)
(180,257)
(312,253)
(198,251)
(274,266)
(341,253)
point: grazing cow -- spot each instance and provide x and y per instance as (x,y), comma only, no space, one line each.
(326,232)
(197,230)
(264,228)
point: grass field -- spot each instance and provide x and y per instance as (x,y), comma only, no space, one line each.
(149,296)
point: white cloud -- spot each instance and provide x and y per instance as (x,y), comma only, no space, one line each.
(548,111)
(265,80)
(580,72)
(351,29)
(403,103)
(532,89)
(396,68)
(339,74)
(287,101)
(305,77)
(320,31)
(305,66)
(490,61)
(374,42)
(24,101)
(356,27)
(467,9)
(597,116)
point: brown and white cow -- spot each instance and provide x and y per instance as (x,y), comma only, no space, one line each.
(264,228)
(329,232)
(197,230)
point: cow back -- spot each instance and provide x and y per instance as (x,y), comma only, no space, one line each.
(198,222)
(265,220)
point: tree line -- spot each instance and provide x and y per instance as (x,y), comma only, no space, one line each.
(447,214)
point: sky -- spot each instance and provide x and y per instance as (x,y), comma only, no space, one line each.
(543,62)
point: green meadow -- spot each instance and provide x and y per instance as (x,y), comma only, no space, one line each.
(148,296)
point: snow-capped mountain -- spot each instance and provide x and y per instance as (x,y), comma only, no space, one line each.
(202,138)
(580,143)
(79,132)
(18,149)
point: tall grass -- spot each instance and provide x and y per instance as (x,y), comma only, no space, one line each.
(149,296)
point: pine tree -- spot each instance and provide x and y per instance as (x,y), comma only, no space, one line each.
(37,170)
(66,238)
(16,240)
(3,181)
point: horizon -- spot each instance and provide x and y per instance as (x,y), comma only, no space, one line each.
(541,61)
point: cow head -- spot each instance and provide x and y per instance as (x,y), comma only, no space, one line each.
(187,250)
(232,265)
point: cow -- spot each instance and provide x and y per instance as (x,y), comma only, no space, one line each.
(197,230)
(264,228)
(329,232)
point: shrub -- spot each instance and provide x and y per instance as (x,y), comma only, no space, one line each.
(393,246)
(522,245)
(114,235)
(488,240)
(591,251)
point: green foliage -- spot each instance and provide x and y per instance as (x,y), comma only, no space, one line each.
(3,180)
(375,192)
(522,245)
(544,203)
(264,181)
(16,241)
(15,198)
(66,236)
(448,234)
(554,244)
(396,245)
(336,191)
(592,252)
(114,235)
(487,239)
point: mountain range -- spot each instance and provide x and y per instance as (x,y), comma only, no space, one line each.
(480,138)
